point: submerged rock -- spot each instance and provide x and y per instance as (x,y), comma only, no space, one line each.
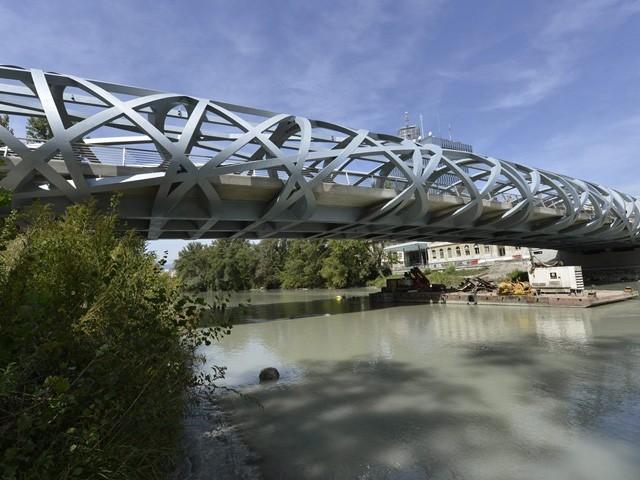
(269,374)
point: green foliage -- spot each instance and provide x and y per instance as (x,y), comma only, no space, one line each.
(5,197)
(270,258)
(38,128)
(348,263)
(517,276)
(96,350)
(4,122)
(239,265)
(303,263)
(381,280)
(223,265)
(193,266)
(452,277)
(232,265)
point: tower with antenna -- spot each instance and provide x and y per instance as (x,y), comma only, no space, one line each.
(409,131)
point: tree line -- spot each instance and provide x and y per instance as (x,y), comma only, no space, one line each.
(240,265)
(36,128)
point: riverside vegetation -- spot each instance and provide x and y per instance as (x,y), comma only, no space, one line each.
(225,265)
(97,346)
(241,265)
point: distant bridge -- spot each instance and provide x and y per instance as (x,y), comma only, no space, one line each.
(192,168)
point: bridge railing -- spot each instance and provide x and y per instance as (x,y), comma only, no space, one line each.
(130,156)
(140,157)
(144,158)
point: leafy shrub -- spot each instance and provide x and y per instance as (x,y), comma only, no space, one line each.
(238,265)
(96,350)
(518,276)
(452,277)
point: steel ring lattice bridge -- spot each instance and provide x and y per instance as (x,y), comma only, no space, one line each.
(189,167)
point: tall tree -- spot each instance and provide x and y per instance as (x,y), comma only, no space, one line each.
(232,265)
(238,265)
(271,256)
(348,263)
(223,265)
(4,122)
(303,264)
(193,266)
(38,128)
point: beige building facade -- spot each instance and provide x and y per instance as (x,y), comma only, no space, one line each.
(439,255)
(443,254)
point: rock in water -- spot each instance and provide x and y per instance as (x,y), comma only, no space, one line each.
(269,374)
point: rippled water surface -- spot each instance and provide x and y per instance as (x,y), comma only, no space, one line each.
(442,392)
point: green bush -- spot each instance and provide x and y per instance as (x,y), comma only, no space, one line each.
(96,350)
(238,265)
(451,277)
(518,276)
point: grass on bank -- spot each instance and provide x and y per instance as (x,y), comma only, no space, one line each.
(96,350)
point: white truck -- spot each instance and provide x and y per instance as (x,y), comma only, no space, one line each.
(556,279)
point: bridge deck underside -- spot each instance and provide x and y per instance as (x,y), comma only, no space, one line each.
(189,167)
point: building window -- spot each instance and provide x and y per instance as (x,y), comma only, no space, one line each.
(449,252)
(458,253)
(467,250)
(476,248)
(501,251)
(433,253)
(441,253)
(487,249)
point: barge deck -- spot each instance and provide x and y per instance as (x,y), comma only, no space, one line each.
(587,299)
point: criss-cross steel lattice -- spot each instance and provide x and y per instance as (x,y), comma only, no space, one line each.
(189,167)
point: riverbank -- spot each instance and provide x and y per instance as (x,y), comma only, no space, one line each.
(214,448)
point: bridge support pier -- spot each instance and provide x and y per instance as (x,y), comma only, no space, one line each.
(605,266)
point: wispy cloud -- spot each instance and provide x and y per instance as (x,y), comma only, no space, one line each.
(566,37)
(605,151)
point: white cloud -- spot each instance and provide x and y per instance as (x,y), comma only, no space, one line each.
(568,35)
(606,152)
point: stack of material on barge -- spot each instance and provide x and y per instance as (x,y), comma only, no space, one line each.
(416,288)
(588,298)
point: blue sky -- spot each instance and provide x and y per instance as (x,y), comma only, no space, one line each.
(552,84)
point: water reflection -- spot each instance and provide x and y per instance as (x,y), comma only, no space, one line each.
(443,391)
(266,305)
(558,327)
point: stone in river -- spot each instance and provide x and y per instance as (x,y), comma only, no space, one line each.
(269,374)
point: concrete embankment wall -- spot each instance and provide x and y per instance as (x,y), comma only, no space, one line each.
(605,266)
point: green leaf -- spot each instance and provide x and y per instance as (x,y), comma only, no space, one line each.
(57,383)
